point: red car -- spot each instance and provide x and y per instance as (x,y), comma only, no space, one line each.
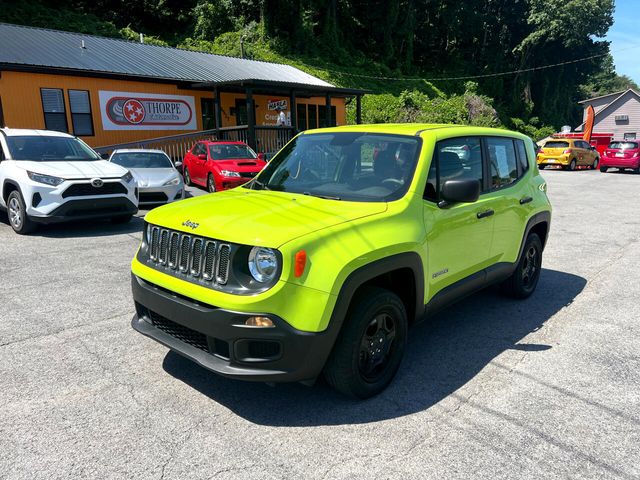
(621,154)
(221,165)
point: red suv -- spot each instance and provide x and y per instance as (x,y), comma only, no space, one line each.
(221,165)
(621,155)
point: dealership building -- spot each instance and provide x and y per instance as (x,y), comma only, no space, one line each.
(113,92)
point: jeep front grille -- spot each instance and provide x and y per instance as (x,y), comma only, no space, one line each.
(182,254)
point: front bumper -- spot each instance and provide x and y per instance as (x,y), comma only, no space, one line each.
(86,209)
(156,195)
(217,339)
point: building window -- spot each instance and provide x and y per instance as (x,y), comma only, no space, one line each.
(55,117)
(80,107)
(630,136)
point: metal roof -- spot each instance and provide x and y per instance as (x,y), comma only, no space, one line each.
(30,47)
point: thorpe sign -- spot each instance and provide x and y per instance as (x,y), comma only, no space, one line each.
(146,111)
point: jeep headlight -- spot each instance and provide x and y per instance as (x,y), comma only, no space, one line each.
(263,264)
(127,177)
(229,173)
(46,179)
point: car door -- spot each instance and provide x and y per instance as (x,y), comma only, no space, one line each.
(458,239)
(510,199)
(199,173)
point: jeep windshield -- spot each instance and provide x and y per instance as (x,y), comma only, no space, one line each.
(39,148)
(354,166)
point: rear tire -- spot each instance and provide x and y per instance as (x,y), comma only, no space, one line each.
(572,165)
(17,213)
(523,281)
(603,169)
(370,347)
(541,167)
(187,178)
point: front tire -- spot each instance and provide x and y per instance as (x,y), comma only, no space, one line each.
(370,347)
(603,169)
(595,163)
(541,167)
(187,178)
(523,281)
(211,184)
(17,212)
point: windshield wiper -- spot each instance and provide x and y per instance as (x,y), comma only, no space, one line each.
(258,183)
(327,197)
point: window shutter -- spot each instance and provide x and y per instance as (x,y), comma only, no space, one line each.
(52,100)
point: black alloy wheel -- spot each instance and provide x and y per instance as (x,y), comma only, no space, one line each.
(524,280)
(371,344)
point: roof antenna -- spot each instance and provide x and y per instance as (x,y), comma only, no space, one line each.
(82,44)
(141,37)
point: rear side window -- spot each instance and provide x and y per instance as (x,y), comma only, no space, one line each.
(502,162)
(454,159)
(522,156)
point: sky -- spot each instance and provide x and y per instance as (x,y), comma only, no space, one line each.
(624,34)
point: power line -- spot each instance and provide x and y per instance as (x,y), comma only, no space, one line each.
(487,75)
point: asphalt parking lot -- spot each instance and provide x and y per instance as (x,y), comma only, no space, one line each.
(492,387)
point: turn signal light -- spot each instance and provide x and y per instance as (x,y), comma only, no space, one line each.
(300,263)
(264,322)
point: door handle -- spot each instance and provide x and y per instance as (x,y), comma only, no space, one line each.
(524,200)
(486,213)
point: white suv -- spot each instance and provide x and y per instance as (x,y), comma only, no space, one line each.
(48,177)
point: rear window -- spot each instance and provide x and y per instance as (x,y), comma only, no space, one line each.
(556,145)
(623,145)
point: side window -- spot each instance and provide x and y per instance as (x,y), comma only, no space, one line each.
(199,149)
(522,156)
(80,107)
(502,162)
(55,116)
(454,158)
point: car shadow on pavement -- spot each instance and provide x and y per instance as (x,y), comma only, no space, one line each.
(83,228)
(443,354)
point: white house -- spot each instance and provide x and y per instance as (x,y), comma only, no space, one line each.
(617,113)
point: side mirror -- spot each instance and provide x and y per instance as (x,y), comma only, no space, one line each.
(178,164)
(104,156)
(262,156)
(460,191)
(202,156)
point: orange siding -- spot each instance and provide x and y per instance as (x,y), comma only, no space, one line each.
(22,105)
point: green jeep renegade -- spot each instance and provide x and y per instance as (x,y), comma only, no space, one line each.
(346,238)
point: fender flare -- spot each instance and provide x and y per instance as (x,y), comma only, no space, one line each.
(4,187)
(537,219)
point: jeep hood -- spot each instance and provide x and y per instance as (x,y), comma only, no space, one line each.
(69,169)
(259,217)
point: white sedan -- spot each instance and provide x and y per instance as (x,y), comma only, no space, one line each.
(158,179)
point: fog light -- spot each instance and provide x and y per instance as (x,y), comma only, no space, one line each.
(263,322)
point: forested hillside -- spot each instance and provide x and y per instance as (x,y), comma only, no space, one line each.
(436,60)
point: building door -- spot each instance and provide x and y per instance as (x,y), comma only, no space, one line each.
(313,116)
(241,112)
(301,115)
(208,114)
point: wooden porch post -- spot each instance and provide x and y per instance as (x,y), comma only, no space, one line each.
(292,105)
(328,110)
(359,109)
(217,111)
(251,120)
